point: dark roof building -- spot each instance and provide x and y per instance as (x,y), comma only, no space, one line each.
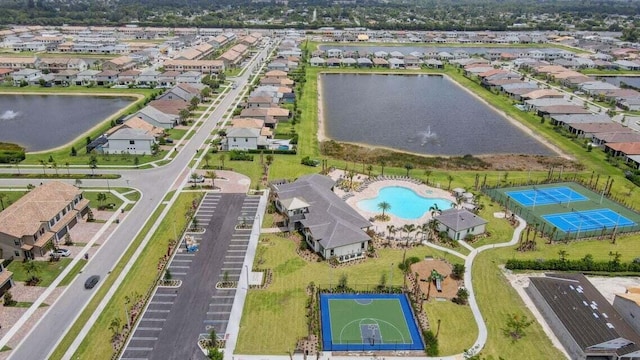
(585,323)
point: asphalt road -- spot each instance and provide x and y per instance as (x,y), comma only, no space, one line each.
(154,185)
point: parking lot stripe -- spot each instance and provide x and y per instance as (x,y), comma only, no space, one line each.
(233,262)
(139,349)
(150,328)
(144,338)
(143,319)
(218,312)
(234,256)
(180,260)
(159,294)
(178,273)
(161,302)
(223,296)
(179,267)
(158,311)
(218,304)
(215,321)
(231,268)
(236,251)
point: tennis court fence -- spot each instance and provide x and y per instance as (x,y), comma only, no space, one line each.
(550,231)
(366,345)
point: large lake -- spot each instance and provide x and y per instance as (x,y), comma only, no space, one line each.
(42,122)
(426,114)
(633,81)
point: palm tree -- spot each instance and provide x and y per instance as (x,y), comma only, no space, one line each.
(384,206)
(212,175)
(423,230)
(408,228)
(93,164)
(206,157)
(408,167)
(563,255)
(115,325)
(382,164)
(101,197)
(369,169)
(269,159)
(433,227)
(428,173)
(435,210)
(32,270)
(44,167)
(222,157)
(391,229)
(450,179)
(66,164)
(54,165)
(2,197)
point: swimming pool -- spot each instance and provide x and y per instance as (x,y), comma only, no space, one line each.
(405,203)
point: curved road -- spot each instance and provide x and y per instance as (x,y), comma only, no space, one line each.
(154,184)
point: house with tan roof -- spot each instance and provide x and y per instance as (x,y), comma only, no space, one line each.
(628,305)
(138,123)
(6,279)
(203,66)
(121,63)
(167,106)
(43,216)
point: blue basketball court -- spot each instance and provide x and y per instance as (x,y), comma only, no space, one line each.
(588,220)
(546,196)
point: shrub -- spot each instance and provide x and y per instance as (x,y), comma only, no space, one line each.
(237,155)
(10,153)
(8,299)
(431,343)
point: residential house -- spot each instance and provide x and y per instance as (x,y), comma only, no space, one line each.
(6,278)
(190,77)
(121,63)
(130,141)
(330,227)
(129,77)
(396,63)
(184,92)
(317,61)
(460,223)
(138,123)
(157,118)
(168,79)
(65,77)
(30,76)
(171,107)
(86,77)
(42,216)
(107,77)
(244,138)
(260,102)
(202,66)
(148,78)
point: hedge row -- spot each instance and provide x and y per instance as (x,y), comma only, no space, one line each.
(573,265)
(11,153)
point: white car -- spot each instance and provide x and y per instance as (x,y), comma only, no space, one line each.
(61,252)
(199,179)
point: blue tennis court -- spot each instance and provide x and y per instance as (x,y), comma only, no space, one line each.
(546,196)
(588,220)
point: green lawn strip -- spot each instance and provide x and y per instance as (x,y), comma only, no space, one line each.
(74,271)
(132,196)
(47,270)
(27,304)
(176,134)
(497,230)
(62,174)
(139,280)
(283,302)
(5,348)
(93,304)
(610,72)
(458,329)
(110,199)
(9,197)
(492,288)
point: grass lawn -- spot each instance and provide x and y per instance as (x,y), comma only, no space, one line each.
(458,330)
(47,270)
(111,199)
(284,301)
(492,288)
(176,134)
(74,272)
(140,279)
(9,197)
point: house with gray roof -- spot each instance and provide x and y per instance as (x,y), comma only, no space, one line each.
(330,226)
(459,223)
(156,117)
(130,141)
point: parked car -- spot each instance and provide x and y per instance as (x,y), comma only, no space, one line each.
(199,179)
(61,252)
(91,281)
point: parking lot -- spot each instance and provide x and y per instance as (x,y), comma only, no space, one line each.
(177,316)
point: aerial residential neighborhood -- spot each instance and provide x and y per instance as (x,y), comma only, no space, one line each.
(336,180)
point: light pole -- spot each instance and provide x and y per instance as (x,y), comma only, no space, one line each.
(390,277)
(246,268)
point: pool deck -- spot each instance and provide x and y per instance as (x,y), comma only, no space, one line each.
(372,189)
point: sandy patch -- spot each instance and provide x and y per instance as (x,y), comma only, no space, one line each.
(610,286)
(449,285)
